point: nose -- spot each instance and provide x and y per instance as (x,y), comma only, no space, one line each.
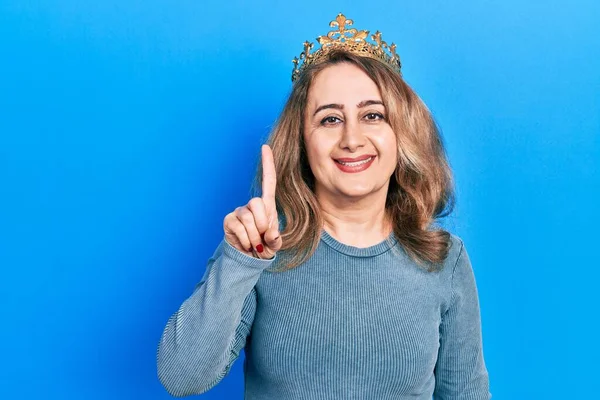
(352,137)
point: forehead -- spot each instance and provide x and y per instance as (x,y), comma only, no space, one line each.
(342,83)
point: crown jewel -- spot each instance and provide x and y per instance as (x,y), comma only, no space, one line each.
(351,40)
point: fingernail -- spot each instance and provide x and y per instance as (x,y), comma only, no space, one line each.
(259,248)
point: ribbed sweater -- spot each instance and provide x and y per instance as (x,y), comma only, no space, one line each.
(349,323)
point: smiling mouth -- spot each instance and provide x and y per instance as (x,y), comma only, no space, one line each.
(356,166)
(356,163)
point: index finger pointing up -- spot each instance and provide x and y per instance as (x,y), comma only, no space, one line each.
(269,179)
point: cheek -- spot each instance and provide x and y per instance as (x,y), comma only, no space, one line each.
(319,148)
(386,144)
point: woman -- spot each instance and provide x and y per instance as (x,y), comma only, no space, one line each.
(333,280)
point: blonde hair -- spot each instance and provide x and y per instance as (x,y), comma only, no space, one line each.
(420,189)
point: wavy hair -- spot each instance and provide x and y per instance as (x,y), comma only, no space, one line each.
(421,188)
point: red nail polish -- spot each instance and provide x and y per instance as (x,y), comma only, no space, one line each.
(259,248)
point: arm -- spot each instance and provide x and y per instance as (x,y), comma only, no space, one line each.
(205,336)
(460,372)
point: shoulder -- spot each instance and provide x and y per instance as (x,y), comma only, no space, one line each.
(455,252)
(462,273)
(454,247)
(459,260)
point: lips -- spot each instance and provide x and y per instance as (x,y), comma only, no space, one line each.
(356,166)
(355,159)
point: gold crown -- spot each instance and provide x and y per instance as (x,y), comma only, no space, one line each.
(351,40)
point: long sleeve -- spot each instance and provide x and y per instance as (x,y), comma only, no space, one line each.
(460,372)
(205,335)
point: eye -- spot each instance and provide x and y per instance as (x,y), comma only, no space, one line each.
(374,116)
(330,120)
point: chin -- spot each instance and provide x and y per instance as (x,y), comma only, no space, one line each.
(355,191)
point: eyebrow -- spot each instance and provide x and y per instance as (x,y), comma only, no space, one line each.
(362,104)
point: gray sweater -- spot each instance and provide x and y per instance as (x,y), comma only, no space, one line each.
(350,323)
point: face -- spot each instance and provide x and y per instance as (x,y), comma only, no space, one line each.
(345,119)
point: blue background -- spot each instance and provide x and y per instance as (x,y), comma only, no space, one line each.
(129,129)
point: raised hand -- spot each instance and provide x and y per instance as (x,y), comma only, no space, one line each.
(254,228)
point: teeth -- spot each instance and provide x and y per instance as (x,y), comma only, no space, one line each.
(354,164)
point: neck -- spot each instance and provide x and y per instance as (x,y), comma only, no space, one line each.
(359,223)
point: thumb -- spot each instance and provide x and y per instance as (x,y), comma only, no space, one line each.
(272,236)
